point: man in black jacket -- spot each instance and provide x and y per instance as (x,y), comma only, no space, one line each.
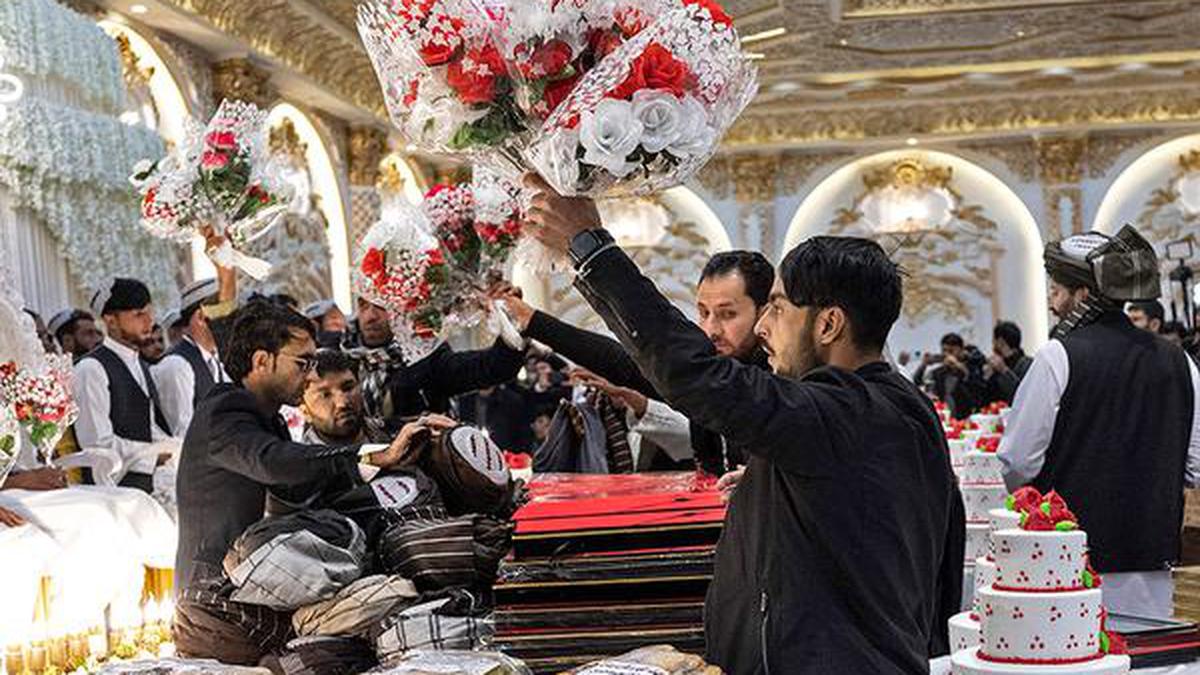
(730,299)
(395,390)
(237,447)
(842,550)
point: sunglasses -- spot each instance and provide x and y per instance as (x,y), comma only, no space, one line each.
(306,363)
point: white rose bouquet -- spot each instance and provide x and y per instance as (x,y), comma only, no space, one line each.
(650,113)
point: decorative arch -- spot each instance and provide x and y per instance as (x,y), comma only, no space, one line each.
(172,107)
(987,250)
(327,187)
(399,176)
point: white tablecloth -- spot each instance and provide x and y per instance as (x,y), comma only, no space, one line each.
(942,667)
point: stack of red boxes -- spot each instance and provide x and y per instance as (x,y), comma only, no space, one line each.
(603,564)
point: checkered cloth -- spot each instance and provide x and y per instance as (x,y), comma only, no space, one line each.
(357,608)
(325,655)
(448,622)
(290,561)
(438,552)
(209,625)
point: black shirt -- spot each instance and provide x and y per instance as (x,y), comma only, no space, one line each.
(843,546)
(231,454)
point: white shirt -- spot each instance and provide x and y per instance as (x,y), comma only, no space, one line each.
(664,426)
(176,382)
(93,428)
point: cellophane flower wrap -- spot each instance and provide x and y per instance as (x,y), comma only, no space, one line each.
(651,113)
(445,84)
(221,176)
(432,264)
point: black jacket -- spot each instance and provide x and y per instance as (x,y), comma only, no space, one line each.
(231,455)
(608,359)
(842,549)
(429,384)
(1003,386)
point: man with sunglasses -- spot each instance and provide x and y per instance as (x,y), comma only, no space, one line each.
(236,449)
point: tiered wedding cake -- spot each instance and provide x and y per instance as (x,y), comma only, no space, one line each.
(1041,611)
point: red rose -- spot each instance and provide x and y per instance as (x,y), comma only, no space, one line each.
(603,42)
(374,263)
(1037,521)
(214,160)
(656,68)
(1025,499)
(435,257)
(557,92)
(433,191)
(436,54)
(715,10)
(1058,508)
(631,21)
(548,60)
(477,85)
(221,140)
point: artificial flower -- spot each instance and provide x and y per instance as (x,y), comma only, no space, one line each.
(609,134)
(661,118)
(696,137)
(214,160)
(548,60)
(474,77)
(219,140)
(557,91)
(374,263)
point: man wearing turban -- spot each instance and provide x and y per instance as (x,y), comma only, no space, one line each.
(1107,416)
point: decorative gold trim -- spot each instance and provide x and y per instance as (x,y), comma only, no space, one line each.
(239,79)
(286,141)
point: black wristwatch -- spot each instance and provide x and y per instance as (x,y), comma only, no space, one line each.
(588,243)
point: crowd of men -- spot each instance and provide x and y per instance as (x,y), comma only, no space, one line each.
(843,542)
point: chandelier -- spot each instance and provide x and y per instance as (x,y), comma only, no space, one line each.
(1187,184)
(908,200)
(635,222)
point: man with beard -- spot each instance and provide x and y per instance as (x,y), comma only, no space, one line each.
(1107,416)
(236,449)
(395,390)
(119,408)
(843,544)
(333,402)
(730,299)
(76,332)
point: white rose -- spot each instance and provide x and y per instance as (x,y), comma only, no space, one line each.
(555,159)
(695,135)
(660,115)
(609,135)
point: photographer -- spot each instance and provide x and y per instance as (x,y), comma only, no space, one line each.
(959,380)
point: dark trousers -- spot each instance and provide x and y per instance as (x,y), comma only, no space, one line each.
(209,625)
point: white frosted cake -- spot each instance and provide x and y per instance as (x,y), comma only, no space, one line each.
(1041,611)
(964,627)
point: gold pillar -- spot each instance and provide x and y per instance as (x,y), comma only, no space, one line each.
(1060,168)
(755,186)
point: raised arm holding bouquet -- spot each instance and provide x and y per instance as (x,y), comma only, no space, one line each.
(222,180)
(433,265)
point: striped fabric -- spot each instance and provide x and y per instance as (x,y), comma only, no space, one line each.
(428,626)
(438,552)
(616,434)
(357,609)
(208,624)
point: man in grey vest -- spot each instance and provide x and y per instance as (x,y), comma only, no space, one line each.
(192,366)
(1107,416)
(119,409)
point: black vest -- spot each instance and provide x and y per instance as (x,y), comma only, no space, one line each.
(1120,443)
(203,379)
(129,406)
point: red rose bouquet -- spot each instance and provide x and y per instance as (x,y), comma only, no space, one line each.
(445,84)
(432,265)
(220,178)
(649,111)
